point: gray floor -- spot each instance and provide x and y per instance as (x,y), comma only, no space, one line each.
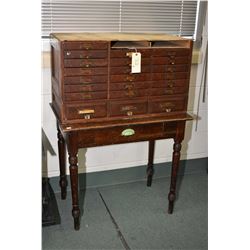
(140,213)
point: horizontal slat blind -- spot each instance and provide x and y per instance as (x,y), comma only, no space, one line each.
(172,17)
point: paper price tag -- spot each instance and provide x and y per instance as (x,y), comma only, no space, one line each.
(136,62)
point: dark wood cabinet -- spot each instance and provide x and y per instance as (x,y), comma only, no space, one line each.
(98,101)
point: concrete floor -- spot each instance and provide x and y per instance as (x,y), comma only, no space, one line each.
(140,215)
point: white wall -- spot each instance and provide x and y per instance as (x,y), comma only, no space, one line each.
(132,154)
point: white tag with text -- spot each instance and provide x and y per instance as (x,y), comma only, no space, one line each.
(136,63)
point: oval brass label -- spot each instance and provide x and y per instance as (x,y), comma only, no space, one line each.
(128,132)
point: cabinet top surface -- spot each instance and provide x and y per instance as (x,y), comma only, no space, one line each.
(118,36)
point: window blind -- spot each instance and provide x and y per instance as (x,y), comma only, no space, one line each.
(172,17)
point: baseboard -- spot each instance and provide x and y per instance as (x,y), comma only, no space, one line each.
(132,174)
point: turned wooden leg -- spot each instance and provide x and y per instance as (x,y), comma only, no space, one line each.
(150,168)
(74,189)
(175,166)
(62,163)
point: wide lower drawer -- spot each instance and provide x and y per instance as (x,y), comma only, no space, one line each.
(127,69)
(168,91)
(123,52)
(170,60)
(166,76)
(116,62)
(85,87)
(128,85)
(85,96)
(170,68)
(130,77)
(127,108)
(128,133)
(167,104)
(85,54)
(86,79)
(128,93)
(84,71)
(85,111)
(85,62)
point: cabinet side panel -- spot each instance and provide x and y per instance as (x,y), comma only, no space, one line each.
(55,78)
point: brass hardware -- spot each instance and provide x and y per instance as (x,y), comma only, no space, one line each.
(130,93)
(129,54)
(128,132)
(129,78)
(87,57)
(169,91)
(87,65)
(170,85)
(129,86)
(86,111)
(128,108)
(168,110)
(129,113)
(172,63)
(68,53)
(87,48)
(166,105)
(86,116)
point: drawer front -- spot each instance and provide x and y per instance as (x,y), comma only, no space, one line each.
(116,62)
(127,108)
(128,85)
(164,76)
(84,71)
(85,63)
(85,88)
(170,68)
(85,79)
(86,111)
(85,45)
(85,54)
(127,70)
(168,91)
(170,60)
(123,52)
(85,96)
(170,83)
(129,93)
(167,104)
(169,52)
(130,77)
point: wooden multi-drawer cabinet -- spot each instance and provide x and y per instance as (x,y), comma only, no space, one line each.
(99,101)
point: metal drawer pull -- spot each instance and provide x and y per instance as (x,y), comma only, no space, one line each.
(68,53)
(129,113)
(86,111)
(168,110)
(128,132)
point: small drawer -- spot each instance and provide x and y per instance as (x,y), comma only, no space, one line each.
(124,52)
(85,79)
(116,62)
(167,104)
(128,93)
(169,60)
(122,108)
(86,111)
(85,71)
(85,96)
(169,52)
(85,45)
(130,77)
(85,63)
(169,76)
(170,83)
(170,68)
(127,70)
(128,85)
(168,91)
(85,54)
(85,88)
